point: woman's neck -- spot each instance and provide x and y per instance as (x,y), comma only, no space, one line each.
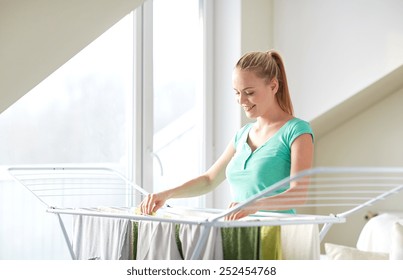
(273,119)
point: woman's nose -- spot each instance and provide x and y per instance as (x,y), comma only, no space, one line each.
(241,98)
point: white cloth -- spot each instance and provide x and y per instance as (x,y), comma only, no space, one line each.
(156,241)
(100,238)
(211,250)
(396,248)
(300,242)
(376,234)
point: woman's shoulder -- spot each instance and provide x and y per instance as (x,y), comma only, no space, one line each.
(298,123)
(242,132)
(296,127)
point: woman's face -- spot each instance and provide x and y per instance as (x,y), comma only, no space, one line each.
(253,93)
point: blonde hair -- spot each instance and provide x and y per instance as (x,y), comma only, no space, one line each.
(269,65)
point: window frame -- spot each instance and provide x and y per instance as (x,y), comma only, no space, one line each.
(142,136)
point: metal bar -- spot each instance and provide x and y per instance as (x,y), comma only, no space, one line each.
(66,238)
(371,201)
(202,240)
(123,216)
(326,227)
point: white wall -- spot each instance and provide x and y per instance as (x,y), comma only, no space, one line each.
(335,48)
(372,138)
(256,29)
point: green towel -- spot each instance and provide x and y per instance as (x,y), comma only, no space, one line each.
(270,243)
(134,239)
(178,240)
(252,243)
(240,243)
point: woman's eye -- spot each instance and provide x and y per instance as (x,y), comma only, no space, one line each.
(244,93)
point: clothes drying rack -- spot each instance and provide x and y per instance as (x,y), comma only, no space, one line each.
(82,190)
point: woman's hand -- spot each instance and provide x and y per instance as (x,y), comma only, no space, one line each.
(151,203)
(238,214)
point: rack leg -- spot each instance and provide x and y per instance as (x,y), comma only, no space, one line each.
(66,237)
(202,240)
(324,231)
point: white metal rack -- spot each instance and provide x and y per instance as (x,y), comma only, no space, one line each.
(81,190)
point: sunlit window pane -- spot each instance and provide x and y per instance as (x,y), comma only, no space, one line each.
(79,114)
(177,92)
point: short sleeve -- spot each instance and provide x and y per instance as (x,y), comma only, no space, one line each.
(298,128)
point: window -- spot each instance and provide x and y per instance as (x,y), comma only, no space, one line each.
(80,114)
(87,113)
(176,111)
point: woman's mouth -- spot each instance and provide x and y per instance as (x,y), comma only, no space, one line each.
(248,108)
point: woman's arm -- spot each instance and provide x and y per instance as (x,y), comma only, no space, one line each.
(194,187)
(301,159)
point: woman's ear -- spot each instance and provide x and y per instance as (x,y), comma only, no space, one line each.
(274,85)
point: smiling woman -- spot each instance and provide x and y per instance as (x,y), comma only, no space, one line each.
(263,152)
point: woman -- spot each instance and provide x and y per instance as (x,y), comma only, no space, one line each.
(263,152)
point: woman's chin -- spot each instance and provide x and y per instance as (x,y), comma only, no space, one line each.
(250,116)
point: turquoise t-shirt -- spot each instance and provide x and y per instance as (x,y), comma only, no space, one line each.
(249,172)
